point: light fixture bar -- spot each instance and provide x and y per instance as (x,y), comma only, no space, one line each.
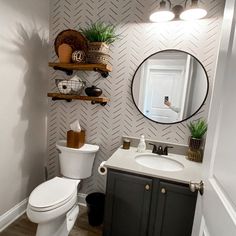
(177,10)
(191,12)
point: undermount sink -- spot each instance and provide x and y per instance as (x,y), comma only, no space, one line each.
(158,162)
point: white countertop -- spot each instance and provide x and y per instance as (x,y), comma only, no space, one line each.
(124,160)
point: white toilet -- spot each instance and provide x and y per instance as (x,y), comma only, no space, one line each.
(53,204)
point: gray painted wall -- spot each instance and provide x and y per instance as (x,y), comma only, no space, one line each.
(139,38)
(23,105)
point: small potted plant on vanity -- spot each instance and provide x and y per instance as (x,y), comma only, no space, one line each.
(100,36)
(197,130)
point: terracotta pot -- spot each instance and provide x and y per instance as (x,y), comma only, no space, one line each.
(65,53)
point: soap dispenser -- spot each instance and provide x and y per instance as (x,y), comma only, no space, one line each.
(142,144)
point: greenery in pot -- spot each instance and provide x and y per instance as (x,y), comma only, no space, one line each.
(198,129)
(100,32)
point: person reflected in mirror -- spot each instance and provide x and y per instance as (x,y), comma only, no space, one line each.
(173,108)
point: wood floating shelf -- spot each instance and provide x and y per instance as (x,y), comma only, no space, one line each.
(68,68)
(94,100)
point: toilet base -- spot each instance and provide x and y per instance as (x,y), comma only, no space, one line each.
(60,226)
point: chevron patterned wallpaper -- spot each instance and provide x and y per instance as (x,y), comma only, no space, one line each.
(139,38)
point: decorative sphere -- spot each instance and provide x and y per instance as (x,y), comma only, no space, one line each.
(78,57)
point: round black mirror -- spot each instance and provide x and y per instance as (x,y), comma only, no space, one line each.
(170,86)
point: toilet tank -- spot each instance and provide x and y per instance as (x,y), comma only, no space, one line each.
(76,163)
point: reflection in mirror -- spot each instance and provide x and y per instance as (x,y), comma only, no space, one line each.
(170,86)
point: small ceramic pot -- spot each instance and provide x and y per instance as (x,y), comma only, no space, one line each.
(65,53)
(93,91)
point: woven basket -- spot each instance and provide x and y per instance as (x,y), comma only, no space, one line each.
(73,38)
(98,47)
(98,58)
(195,155)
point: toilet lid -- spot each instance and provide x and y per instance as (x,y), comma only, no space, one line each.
(52,194)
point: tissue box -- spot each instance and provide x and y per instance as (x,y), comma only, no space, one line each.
(75,139)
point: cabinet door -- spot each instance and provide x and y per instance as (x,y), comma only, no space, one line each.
(175,210)
(128,200)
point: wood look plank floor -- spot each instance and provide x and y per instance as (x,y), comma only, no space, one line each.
(23,227)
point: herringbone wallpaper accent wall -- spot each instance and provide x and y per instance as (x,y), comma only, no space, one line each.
(139,38)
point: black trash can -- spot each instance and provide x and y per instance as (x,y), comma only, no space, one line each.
(95,204)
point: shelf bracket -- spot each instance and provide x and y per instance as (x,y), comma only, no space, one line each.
(93,102)
(68,72)
(104,74)
(101,103)
(56,99)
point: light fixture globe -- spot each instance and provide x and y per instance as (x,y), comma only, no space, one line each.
(194,12)
(162,16)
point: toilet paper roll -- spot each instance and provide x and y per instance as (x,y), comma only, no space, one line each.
(102,170)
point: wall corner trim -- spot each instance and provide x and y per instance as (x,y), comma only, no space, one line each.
(14,213)
(81,199)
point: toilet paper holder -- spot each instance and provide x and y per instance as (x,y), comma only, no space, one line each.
(102,170)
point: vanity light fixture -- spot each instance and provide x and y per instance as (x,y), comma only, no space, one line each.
(194,12)
(165,13)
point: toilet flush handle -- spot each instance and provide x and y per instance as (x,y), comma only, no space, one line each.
(59,151)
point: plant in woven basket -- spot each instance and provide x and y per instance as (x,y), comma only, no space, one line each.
(198,129)
(100,32)
(100,36)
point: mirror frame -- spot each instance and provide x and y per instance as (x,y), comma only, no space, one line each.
(167,50)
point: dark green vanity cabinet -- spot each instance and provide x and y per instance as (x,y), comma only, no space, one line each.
(145,206)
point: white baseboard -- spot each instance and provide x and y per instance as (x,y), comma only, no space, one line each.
(81,199)
(10,216)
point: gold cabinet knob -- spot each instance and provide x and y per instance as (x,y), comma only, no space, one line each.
(147,187)
(163,190)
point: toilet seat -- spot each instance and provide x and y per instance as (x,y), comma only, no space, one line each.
(53,194)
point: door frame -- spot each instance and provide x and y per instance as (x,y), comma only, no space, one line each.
(225,48)
(162,66)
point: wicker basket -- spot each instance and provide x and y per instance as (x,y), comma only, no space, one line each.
(98,47)
(98,58)
(195,155)
(75,39)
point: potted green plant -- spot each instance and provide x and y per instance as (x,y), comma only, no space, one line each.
(197,129)
(99,36)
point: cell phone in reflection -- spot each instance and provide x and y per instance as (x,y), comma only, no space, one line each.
(166,98)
